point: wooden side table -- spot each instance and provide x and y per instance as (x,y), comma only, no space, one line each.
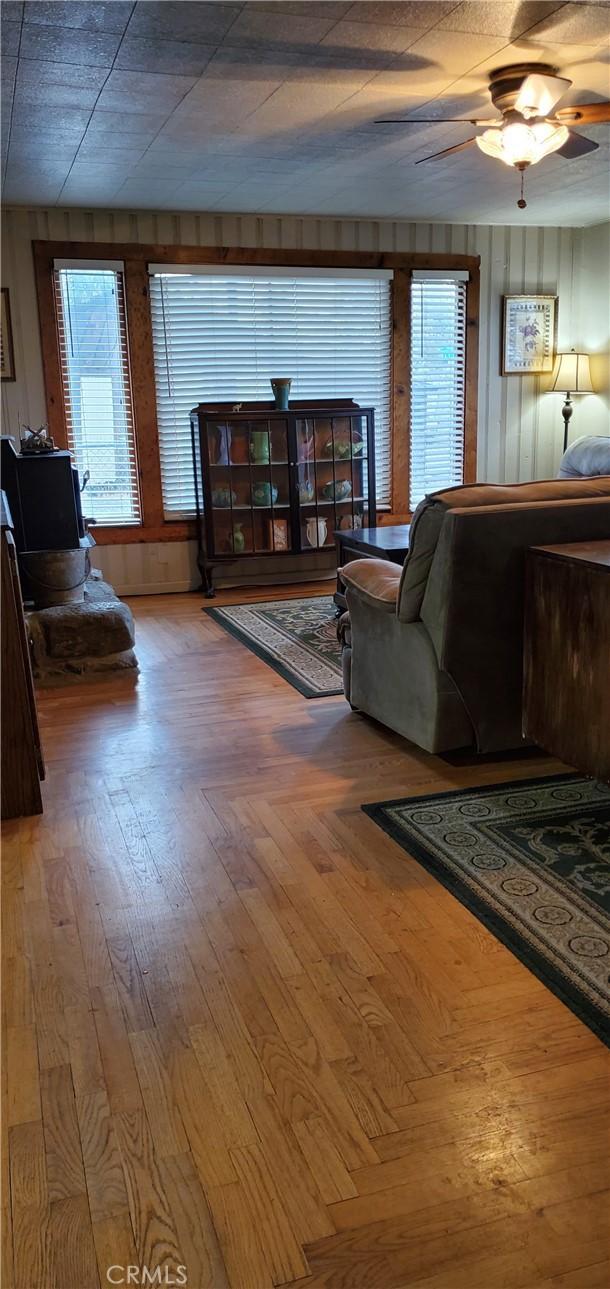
(391,542)
(566,696)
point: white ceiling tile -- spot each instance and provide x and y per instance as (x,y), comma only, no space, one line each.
(36,150)
(80,192)
(85,178)
(590,81)
(219,103)
(149,167)
(464,98)
(244,64)
(452,51)
(200,191)
(389,94)
(379,97)
(302,8)
(9,73)
(143,92)
(499,17)
(282,116)
(249,150)
(92,146)
(419,13)
(37,193)
(69,45)
(38,72)
(345,81)
(94,16)
(163,150)
(143,190)
(190,20)
(361,35)
(138,126)
(294,106)
(47,170)
(156,54)
(61,120)
(254,27)
(338,58)
(192,205)
(10,35)
(583,24)
(50,96)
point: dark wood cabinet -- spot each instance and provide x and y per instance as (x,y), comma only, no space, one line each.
(566,699)
(277,483)
(22,760)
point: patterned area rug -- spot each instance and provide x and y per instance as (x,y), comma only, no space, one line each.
(532,861)
(298,638)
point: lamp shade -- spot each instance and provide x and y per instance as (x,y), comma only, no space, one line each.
(571,374)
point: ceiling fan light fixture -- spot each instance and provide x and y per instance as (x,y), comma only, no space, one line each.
(549,137)
(490,142)
(523,144)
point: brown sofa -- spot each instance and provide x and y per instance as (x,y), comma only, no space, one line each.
(434,650)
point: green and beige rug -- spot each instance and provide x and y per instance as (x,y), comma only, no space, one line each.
(531,860)
(298,638)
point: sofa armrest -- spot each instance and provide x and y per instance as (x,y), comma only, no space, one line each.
(376,581)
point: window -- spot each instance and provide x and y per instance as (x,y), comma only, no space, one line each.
(438,369)
(96,387)
(221,334)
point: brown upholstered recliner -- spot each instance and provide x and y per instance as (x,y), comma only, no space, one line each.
(435,648)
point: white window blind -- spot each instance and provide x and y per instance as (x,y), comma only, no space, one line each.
(223,334)
(94,358)
(438,357)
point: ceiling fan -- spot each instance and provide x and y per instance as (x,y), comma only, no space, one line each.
(525,94)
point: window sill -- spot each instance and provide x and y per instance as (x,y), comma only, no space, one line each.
(175,530)
(183,530)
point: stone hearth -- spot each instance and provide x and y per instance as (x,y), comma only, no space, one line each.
(76,641)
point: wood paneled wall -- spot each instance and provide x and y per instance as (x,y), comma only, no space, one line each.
(520,430)
(593,333)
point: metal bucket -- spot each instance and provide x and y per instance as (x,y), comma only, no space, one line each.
(56,577)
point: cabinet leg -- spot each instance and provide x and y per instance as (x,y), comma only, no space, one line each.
(207,579)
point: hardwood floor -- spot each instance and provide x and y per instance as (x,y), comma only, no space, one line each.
(246,1035)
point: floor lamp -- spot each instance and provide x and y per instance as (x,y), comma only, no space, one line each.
(571,376)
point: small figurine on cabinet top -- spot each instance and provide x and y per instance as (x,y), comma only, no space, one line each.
(36,440)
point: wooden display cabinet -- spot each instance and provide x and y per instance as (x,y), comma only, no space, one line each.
(279,483)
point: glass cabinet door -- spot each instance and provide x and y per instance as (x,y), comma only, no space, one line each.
(332,476)
(249,485)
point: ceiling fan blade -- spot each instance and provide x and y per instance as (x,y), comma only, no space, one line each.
(457,147)
(436,120)
(539,94)
(576,146)
(584,113)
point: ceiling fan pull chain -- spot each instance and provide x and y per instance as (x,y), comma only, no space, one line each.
(522,202)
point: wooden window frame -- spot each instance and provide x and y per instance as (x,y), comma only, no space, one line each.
(130,428)
(136,257)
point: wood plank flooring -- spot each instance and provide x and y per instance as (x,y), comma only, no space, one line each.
(246,1035)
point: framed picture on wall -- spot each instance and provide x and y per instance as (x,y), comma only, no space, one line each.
(528,334)
(7,357)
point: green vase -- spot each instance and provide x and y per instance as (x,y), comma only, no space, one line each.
(238,540)
(281,391)
(259,447)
